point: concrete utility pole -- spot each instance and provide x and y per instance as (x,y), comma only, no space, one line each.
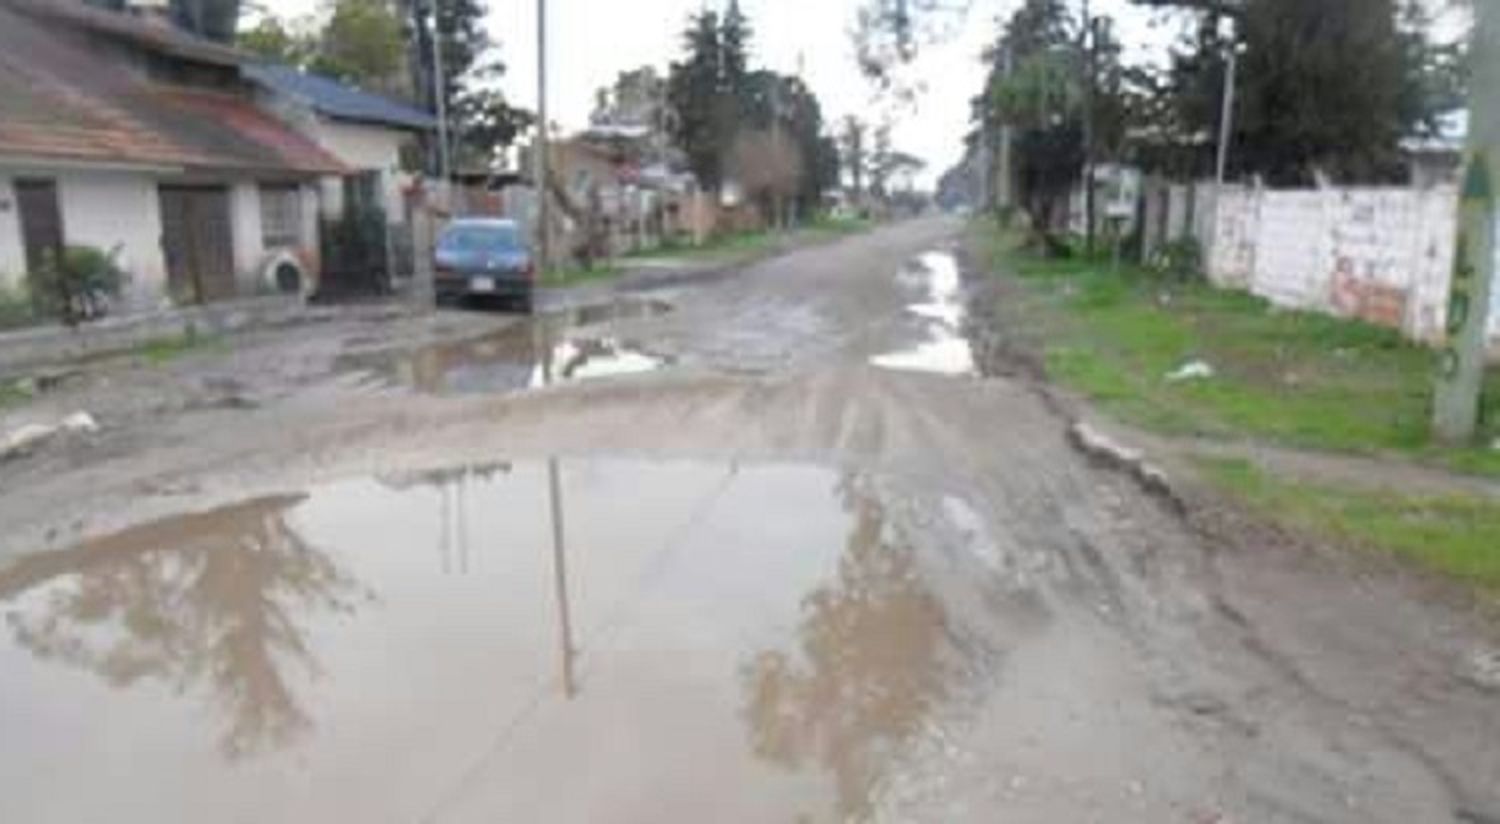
(1226,116)
(1090,93)
(544,230)
(1461,369)
(440,99)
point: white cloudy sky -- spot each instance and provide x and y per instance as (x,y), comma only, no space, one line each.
(590,40)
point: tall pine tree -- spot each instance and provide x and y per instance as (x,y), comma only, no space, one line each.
(710,90)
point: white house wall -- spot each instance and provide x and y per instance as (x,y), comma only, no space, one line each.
(368,148)
(121,210)
(118,211)
(12,251)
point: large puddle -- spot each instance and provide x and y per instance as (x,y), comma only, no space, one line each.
(554,348)
(941,312)
(544,641)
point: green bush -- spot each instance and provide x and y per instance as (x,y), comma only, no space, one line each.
(80,286)
(1181,260)
(15,307)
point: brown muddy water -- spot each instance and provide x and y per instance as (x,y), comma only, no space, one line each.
(554,348)
(541,641)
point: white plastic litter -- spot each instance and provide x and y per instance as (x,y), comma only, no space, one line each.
(25,437)
(29,436)
(80,422)
(1191,371)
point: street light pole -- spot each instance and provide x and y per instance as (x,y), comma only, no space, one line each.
(1461,368)
(544,233)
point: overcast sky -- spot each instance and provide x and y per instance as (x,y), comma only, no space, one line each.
(589,41)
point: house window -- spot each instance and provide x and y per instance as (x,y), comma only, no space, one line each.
(280,215)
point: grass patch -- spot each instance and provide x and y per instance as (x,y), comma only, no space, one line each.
(161,351)
(831,226)
(12,394)
(575,275)
(1295,378)
(1452,535)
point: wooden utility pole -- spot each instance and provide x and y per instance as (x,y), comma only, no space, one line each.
(1461,368)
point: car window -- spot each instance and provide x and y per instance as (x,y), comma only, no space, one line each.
(477,238)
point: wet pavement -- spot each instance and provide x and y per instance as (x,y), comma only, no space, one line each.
(694,641)
(768,547)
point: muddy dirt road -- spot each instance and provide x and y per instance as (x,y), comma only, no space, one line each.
(780,545)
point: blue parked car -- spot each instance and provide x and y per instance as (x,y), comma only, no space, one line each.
(484,258)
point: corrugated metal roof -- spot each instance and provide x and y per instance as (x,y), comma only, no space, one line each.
(160,37)
(63,96)
(339,100)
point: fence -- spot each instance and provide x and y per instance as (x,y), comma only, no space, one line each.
(1384,255)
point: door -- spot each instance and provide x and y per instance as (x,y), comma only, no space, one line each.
(41,222)
(197,243)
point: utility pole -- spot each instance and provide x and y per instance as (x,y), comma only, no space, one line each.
(1089,43)
(544,229)
(440,98)
(1226,117)
(1461,368)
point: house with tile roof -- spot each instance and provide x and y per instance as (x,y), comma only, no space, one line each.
(121,132)
(376,138)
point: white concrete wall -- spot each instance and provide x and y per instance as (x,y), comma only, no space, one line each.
(245,230)
(118,211)
(1381,254)
(250,250)
(12,250)
(122,210)
(368,148)
(108,209)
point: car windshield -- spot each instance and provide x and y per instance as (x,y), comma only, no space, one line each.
(476,238)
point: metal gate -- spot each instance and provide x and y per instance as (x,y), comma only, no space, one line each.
(197,243)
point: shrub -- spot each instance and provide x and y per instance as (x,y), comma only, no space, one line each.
(1181,260)
(15,306)
(78,287)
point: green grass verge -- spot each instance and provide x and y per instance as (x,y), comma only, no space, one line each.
(1294,378)
(164,350)
(1452,535)
(11,394)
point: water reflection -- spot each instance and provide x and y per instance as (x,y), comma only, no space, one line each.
(945,350)
(748,642)
(209,601)
(867,670)
(515,358)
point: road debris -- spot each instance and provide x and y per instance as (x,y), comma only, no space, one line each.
(1482,669)
(25,438)
(1191,371)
